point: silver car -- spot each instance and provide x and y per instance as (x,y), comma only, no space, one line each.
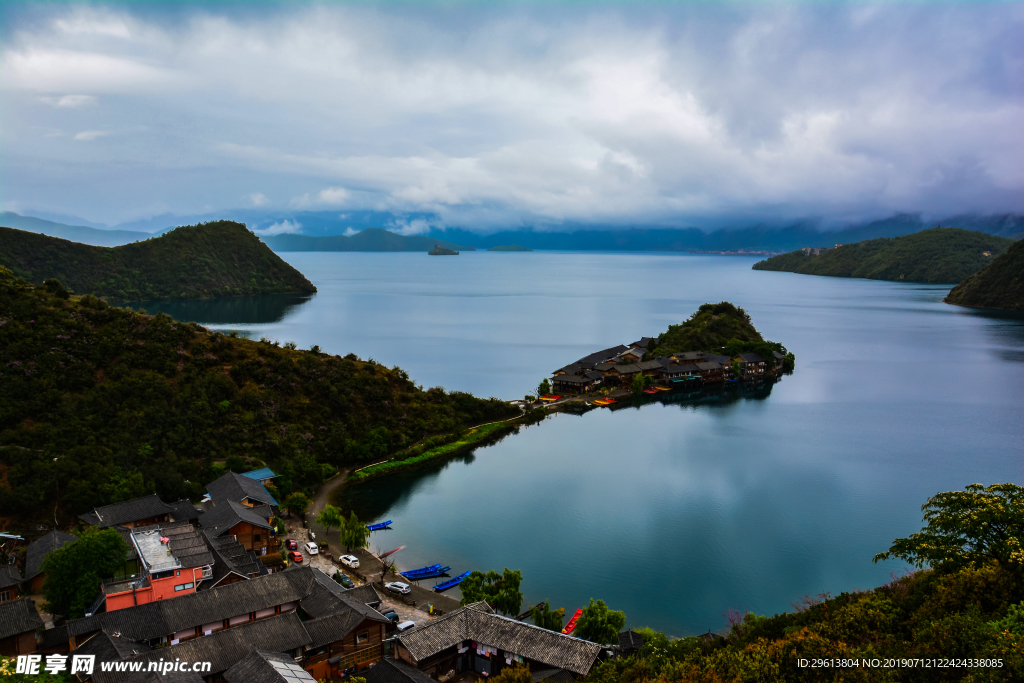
(398,587)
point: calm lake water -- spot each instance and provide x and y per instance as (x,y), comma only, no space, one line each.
(675,511)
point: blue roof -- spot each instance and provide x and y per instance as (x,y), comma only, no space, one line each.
(260,475)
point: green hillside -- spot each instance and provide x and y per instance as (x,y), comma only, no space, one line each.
(191,262)
(101,404)
(998,285)
(938,255)
(371,239)
(721,328)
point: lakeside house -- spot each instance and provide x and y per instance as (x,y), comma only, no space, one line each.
(10,582)
(616,367)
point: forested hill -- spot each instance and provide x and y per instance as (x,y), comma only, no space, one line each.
(998,285)
(101,404)
(721,328)
(936,255)
(190,262)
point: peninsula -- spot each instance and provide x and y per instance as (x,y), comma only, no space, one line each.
(442,251)
(999,285)
(163,402)
(191,262)
(938,255)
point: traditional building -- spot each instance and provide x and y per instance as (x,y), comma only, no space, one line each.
(19,620)
(251,527)
(10,582)
(474,638)
(143,511)
(752,366)
(36,553)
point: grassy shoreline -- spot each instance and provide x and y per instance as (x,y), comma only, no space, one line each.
(472,439)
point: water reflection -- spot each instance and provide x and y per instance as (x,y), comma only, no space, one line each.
(1007,328)
(264,308)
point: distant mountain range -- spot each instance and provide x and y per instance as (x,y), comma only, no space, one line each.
(376,231)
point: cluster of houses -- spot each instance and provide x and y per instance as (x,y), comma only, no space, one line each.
(197,589)
(618,366)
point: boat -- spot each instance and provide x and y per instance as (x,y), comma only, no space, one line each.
(650,391)
(550,397)
(663,388)
(572,622)
(426,572)
(391,552)
(601,402)
(450,583)
(610,400)
(378,526)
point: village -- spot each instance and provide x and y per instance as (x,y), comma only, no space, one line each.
(613,372)
(244,594)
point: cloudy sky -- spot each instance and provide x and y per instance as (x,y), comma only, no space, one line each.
(499,115)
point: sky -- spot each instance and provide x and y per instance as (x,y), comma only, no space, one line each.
(490,115)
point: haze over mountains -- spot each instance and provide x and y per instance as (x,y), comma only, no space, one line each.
(330,231)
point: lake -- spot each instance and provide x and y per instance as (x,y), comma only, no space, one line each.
(676,511)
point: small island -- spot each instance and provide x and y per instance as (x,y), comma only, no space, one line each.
(1000,285)
(441,251)
(939,255)
(510,247)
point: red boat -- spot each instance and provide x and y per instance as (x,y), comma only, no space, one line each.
(650,391)
(572,622)
(610,400)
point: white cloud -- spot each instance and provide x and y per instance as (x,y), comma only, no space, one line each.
(280,228)
(90,135)
(70,101)
(660,113)
(416,226)
(258,199)
(350,231)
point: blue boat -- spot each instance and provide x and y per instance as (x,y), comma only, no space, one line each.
(379,526)
(426,572)
(450,583)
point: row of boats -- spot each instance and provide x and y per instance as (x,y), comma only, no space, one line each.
(428,572)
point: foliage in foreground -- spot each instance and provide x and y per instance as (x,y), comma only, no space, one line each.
(74,572)
(100,405)
(998,285)
(216,259)
(501,591)
(968,605)
(938,255)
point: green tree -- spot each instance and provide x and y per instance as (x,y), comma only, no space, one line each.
(74,573)
(330,518)
(545,617)
(599,624)
(354,533)
(544,388)
(967,528)
(296,503)
(501,591)
(639,383)
(515,674)
(737,369)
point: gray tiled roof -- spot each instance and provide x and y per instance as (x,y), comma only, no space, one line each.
(225,514)
(169,677)
(548,647)
(394,671)
(236,487)
(9,576)
(267,667)
(184,511)
(38,549)
(631,640)
(157,619)
(553,676)
(751,357)
(127,511)
(18,616)
(53,638)
(599,356)
(365,594)
(715,358)
(709,366)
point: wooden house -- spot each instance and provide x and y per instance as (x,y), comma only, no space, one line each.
(19,620)
(10,583)
(37,551)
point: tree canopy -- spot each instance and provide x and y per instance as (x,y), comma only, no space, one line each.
(998,285)
(599,624)
(330,518)
(967,528)
(501,591)
(353,532)
(74,573)
(545,617)
(296,503)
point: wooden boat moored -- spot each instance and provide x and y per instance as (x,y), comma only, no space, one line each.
(379,526)
(450,583)
(426,572)
(572,622)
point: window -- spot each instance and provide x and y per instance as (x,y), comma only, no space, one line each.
(362,637)
(5,596)
(177,573)
(183,587)
(255,538)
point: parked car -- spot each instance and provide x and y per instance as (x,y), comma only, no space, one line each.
(350,561)
(312,548)
(406,625)
(392,617)
(295,556)
(398,587)
(345,581)
(291,544)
